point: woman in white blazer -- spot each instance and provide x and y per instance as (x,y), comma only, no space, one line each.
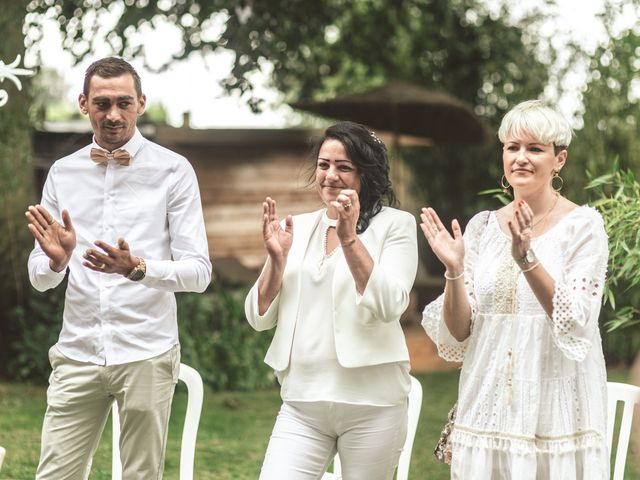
(334,285)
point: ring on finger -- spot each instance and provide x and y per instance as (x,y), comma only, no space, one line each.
(102,266)
(347,205)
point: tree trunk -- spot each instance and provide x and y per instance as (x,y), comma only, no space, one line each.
(16,177)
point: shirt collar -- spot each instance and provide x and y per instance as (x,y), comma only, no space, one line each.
(132,146)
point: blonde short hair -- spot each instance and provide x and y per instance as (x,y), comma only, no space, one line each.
(535,118)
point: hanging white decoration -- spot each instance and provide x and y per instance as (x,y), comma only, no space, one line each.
(10,72)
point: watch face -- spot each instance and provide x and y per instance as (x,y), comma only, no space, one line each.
(136,275)
(139,272)
(530,256)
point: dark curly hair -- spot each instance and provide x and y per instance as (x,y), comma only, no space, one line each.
(369,155)
(110,67)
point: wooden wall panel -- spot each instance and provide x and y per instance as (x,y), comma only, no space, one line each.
(233,188)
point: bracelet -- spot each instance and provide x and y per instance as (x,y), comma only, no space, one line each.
(530,268)
(349,243)
(453,278)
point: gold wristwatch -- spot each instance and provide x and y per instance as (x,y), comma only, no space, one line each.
(138,272)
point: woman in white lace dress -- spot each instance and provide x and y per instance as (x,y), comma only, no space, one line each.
(520,310)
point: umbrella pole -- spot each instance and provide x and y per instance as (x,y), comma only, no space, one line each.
(398,171)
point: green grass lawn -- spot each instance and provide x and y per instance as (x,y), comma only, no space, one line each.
(233,434)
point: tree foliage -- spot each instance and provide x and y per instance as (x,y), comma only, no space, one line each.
(618,199)
(611,101)
(317,48)
(607,149)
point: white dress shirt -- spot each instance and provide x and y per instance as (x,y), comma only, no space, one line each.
(154,204)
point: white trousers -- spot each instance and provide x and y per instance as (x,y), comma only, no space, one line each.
(79,399)
(307,435)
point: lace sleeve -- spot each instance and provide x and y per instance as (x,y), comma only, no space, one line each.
(578,295)
(432,319)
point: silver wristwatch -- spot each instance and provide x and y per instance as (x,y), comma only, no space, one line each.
(528,259)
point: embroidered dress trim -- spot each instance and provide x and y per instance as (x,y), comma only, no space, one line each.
(509,442)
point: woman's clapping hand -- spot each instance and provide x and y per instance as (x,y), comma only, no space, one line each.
(448,248)
(276,240)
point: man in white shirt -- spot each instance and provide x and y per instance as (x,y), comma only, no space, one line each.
(123,216)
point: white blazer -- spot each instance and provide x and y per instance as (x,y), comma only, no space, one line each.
(366,327)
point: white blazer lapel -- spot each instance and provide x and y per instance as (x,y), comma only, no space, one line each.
(303,227)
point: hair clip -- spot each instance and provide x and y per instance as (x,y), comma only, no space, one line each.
(373,134)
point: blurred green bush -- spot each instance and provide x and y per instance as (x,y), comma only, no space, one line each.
(616,195)
(33,328)
(217,340)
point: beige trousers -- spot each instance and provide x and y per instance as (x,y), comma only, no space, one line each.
(79,398)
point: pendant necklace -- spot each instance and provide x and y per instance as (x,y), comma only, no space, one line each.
(533,224)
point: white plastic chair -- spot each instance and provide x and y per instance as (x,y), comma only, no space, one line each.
(195,394)
(413,413)
(630,396)
(2,453)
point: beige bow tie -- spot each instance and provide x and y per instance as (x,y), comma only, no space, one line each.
(102,156)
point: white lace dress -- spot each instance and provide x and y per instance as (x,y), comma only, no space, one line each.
(532,393)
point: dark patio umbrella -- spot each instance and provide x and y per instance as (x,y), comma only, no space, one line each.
(405,109)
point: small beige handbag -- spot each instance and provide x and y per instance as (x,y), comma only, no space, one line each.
(443,447)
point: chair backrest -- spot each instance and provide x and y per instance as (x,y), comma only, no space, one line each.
(413,413)
(195,394)
(2,452)
(630,396)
